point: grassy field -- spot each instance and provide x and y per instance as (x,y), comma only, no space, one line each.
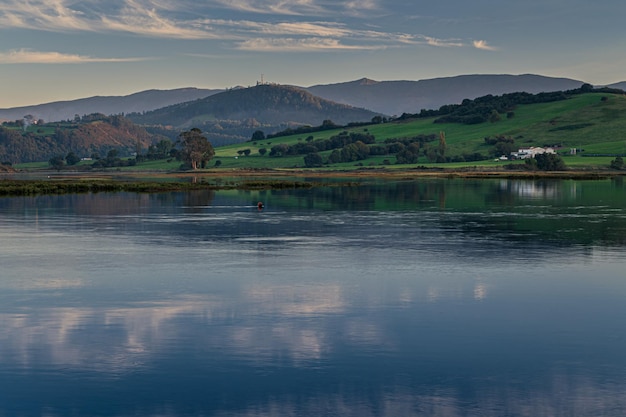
(586,122)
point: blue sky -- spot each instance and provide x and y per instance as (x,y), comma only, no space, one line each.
(54,50)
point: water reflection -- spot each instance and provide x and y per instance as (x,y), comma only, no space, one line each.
(437,298)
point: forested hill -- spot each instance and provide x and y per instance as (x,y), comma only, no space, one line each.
(271,107)
(92,134)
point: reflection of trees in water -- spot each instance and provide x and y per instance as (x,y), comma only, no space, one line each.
(546,212)
(108,204)
(383,196)
(556,212)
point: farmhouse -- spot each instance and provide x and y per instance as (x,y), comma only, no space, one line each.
(527,153)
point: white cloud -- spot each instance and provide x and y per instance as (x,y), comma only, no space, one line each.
(484,46)
(444,43)
(27,56)
(185,20)
(138,18)
(134,16)
(39,14)
(299,45)
(281,7)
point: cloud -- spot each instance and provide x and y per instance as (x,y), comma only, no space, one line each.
(27,56)
(442,43)
(186,20)
(299,45)
(280,7)
(141,19)
(484,46)
(357,8)
(39,14)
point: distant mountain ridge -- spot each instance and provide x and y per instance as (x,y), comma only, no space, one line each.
(108,105)
(620,85)
(397,97)
(386,97)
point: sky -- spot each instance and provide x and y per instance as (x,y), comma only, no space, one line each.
(53,50)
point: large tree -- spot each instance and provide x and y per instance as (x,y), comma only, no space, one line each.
(196,149)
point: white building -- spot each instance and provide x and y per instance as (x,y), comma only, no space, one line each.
(527,153)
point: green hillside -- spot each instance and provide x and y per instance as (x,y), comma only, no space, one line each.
(592,123)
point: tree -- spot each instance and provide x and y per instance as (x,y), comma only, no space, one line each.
(258,135)
(442,143)
(196,149)
(57,162)
(72,158)
(113,154)
(550,162)
(494,116)
(409,155)
(164,147)
(313,160)
(262,151)
(617,163)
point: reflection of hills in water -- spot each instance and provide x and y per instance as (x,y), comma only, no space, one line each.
(540,213)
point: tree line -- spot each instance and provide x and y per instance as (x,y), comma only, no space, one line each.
(489,108)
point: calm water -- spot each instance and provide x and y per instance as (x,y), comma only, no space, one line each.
(429,298)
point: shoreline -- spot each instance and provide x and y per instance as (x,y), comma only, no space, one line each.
(53,182)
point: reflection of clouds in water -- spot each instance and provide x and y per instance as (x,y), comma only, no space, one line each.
(480,291)
(260,345)
(47,283)
(361,331)
(108,341)
(299,321)
(293,300)
(116,339)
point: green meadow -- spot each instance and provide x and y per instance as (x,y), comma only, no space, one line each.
(592,123)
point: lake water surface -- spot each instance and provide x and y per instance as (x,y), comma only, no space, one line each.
(415,298)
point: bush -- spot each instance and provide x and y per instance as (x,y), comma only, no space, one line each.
(313,160)
(617,163)
(550,162)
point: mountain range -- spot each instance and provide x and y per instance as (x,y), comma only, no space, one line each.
(397,97)
(386,97)
(108,105)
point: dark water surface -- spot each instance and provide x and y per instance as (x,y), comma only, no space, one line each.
(427,298)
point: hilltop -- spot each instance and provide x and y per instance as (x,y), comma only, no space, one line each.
(235,115)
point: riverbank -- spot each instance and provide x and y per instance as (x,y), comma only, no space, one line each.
(44,182)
